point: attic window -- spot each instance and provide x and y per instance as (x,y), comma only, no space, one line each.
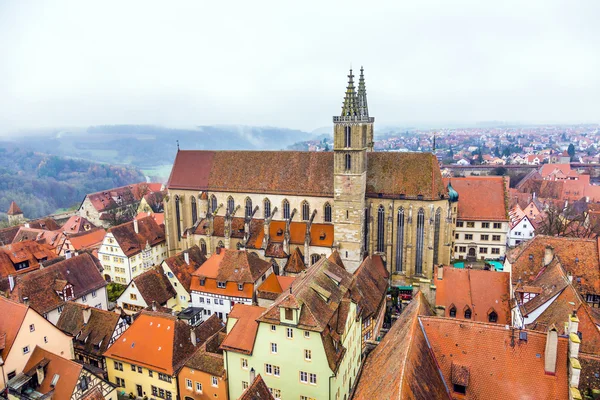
(420,197)
(240,287)
(202,281)
(280,232)
(221,285)
(289,314)
(493,317)
(453,312)
(322,236)
(467,313)
(460,389)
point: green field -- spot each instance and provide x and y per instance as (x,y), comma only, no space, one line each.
(161,171)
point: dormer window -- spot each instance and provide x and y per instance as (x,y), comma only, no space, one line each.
(452,312)
(493,317)
(221,285)
(467,313)
(289,314)
(241,287)
(280,232)
(202,281)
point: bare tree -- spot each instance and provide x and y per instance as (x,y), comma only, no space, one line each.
(568,222)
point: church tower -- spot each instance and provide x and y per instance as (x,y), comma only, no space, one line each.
(352,138)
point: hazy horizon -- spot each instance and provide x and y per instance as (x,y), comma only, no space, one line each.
(186,64)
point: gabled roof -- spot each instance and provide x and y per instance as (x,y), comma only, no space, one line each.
(54,239)
(242,334)
(9,327)
(471,190)
(14,209)
(295,263)
(335,258)
(548,169)
(183,271)
(154,285)
(121,196)
(495,362)
(237,266)
(550,282)
(372,282)
(30,251)
(41,286)
(209,357)
(258,390)
(77,224)
(579,257)
(160,342)
(132,243)
(87,240)
(305,173)
(273,286)
(482,291)
(92,337)
(402,366)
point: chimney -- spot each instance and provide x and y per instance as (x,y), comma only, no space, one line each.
(193,336)
(218,249)
(11,282)
(570,277)
(186,257)
(135,226)
(87,313)
(25,300)
(27,225)
(40,374)
(551,351)
(440,272)
(67,254)
(548,255)
(252,375)
(153,305)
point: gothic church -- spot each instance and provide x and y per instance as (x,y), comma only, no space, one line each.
(295,207)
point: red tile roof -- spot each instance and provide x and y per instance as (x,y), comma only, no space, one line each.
(158,217)
(184,271)
(132,243)
(482,291)
(87,240)
(14,209)
(481,198)
(54,239)
(273,286)
(154,285)
(295,263)
(30,251)
(237,266)
(243,333)
(77,224)
(9,327)
(497,368)
(258,390)
(372,282)
(121,196)
(305,173)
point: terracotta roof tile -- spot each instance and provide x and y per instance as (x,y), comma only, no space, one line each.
(473,190)
(183,271)
(30,251)
(305,173)
(132,243)
(273,286)
(14,209)
(154,285)
(87,240)
(335,258)
(82,272)
(54,239)
(209,358)
(497,369)
(233,266)
(243,333)
(121,196)
(372,282)
(77,224)
(9,327)
(258,390)
(295,263)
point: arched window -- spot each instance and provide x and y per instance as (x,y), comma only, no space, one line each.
(220,244)
(230,205)
(286,209)
(420,241)
(305,211)
(493,317)
(267,207)
(203,246)
(327,212)
(467,312)
(194,210)
(347,136)
(348,162)
(436,235)
(178,216)
(400,240)
(381,229)
(213,203)
(314,258)
(452,312)
(248,213)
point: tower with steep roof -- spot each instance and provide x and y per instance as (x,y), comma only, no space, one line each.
(353,138)
(14,214)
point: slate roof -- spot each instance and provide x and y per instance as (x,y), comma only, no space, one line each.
(481,198)
(154,285)
(160,342)
(411,371)
(577,256)
(41,286)
(257,390)
(132,243)
(323,294)
(14,209)
(9,327)
(497,369)
(372,282)
(306,173)
(183,271)
(93,337)
(295,263)
(482,291)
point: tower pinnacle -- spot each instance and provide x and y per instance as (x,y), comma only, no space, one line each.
(363,109)
(350,105)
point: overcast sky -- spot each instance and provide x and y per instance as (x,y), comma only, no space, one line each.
(282,63)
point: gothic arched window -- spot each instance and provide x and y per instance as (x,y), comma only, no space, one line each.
(347,136)
(400,240)
(230,205)
(213,203)
(493,317)
(348,161)
(314,258)
(267,207)
(381,229)
(286,209)
(178,216)
(452,312)
(436,235)
(420,241)
(194,210)
(467,312)
(220,244)
(305,211)
(327,212)
(203,246)
(248,213)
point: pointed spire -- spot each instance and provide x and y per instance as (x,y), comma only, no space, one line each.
(363,109)
(350,106)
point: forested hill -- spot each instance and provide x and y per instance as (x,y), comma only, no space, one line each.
(41,183)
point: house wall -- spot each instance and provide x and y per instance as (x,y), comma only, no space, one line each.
(462,244)
(134,378)
(97,298)
(89,212)
(208,390)
(184,298)
(201,299)
(521,232)
(44,335)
